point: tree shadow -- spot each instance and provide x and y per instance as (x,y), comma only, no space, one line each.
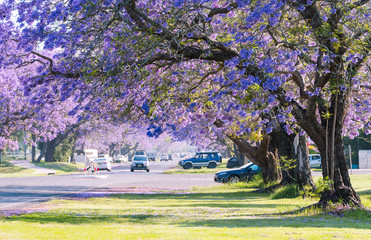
(292,222)
(82,218)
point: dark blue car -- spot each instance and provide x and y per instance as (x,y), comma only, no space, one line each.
(244,173)
(202,159)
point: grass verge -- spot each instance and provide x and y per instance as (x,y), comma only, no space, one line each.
(61,167)
(10,170)
(228,211)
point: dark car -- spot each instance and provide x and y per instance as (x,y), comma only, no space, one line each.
(202,159)
(244,173)
(233,163)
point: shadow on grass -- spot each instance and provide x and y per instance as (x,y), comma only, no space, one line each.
(83,218)
(319,221)
(292,222)
(241,195)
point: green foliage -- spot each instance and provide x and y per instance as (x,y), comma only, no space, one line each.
(287,164)
(288,191)
(320,186)
(63,151)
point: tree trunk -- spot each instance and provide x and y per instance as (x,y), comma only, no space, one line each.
(284,143)
(304,175)
(263,156)
(50,151)
(42,152)
(337,172)
(33,149)
(240,156)
(72,158)
(325,135)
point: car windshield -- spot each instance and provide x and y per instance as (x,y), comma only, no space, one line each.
(247,165)
(99,160)
(140,159)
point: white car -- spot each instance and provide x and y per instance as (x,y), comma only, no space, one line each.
(106,156)
(315,161)
(164,157)
(140,163)
(120,159)
(103,164)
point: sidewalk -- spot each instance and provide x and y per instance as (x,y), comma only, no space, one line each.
(27,164)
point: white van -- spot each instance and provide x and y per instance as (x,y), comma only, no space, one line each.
(315,161)
(91,153)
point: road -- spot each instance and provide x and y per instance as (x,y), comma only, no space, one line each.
(21,191)
(18,191)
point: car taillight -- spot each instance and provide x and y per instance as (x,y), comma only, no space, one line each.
(104,162)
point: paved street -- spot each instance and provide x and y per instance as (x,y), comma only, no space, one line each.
(15,192)
(19,191)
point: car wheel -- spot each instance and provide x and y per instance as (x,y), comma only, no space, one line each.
(109,170)
(212,165)
(147,170)
(233,179)
(187,165)
(131,170)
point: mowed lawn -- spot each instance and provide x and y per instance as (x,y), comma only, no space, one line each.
(223,212)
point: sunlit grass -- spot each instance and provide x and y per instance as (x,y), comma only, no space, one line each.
(227,211)
(61,167)
(10,170)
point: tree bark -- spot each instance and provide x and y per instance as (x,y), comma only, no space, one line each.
(264,157)
(50,150)
(240,156)
(42,152)
(33,149)
(304,175)
(334,169)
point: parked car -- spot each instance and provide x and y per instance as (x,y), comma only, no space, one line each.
(201,159)
(164,157)
(233,163)
(103,164)
(151,156)
(106,156)
(120,159)
(140,163)
(140,153)
(244,173)
(315,161)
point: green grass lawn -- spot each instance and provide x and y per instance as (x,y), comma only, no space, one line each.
(61,167)
(10,170)
(222,212)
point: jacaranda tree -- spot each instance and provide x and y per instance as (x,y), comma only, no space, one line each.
(309,58)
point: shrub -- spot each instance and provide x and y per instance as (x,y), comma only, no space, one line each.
(288,191)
